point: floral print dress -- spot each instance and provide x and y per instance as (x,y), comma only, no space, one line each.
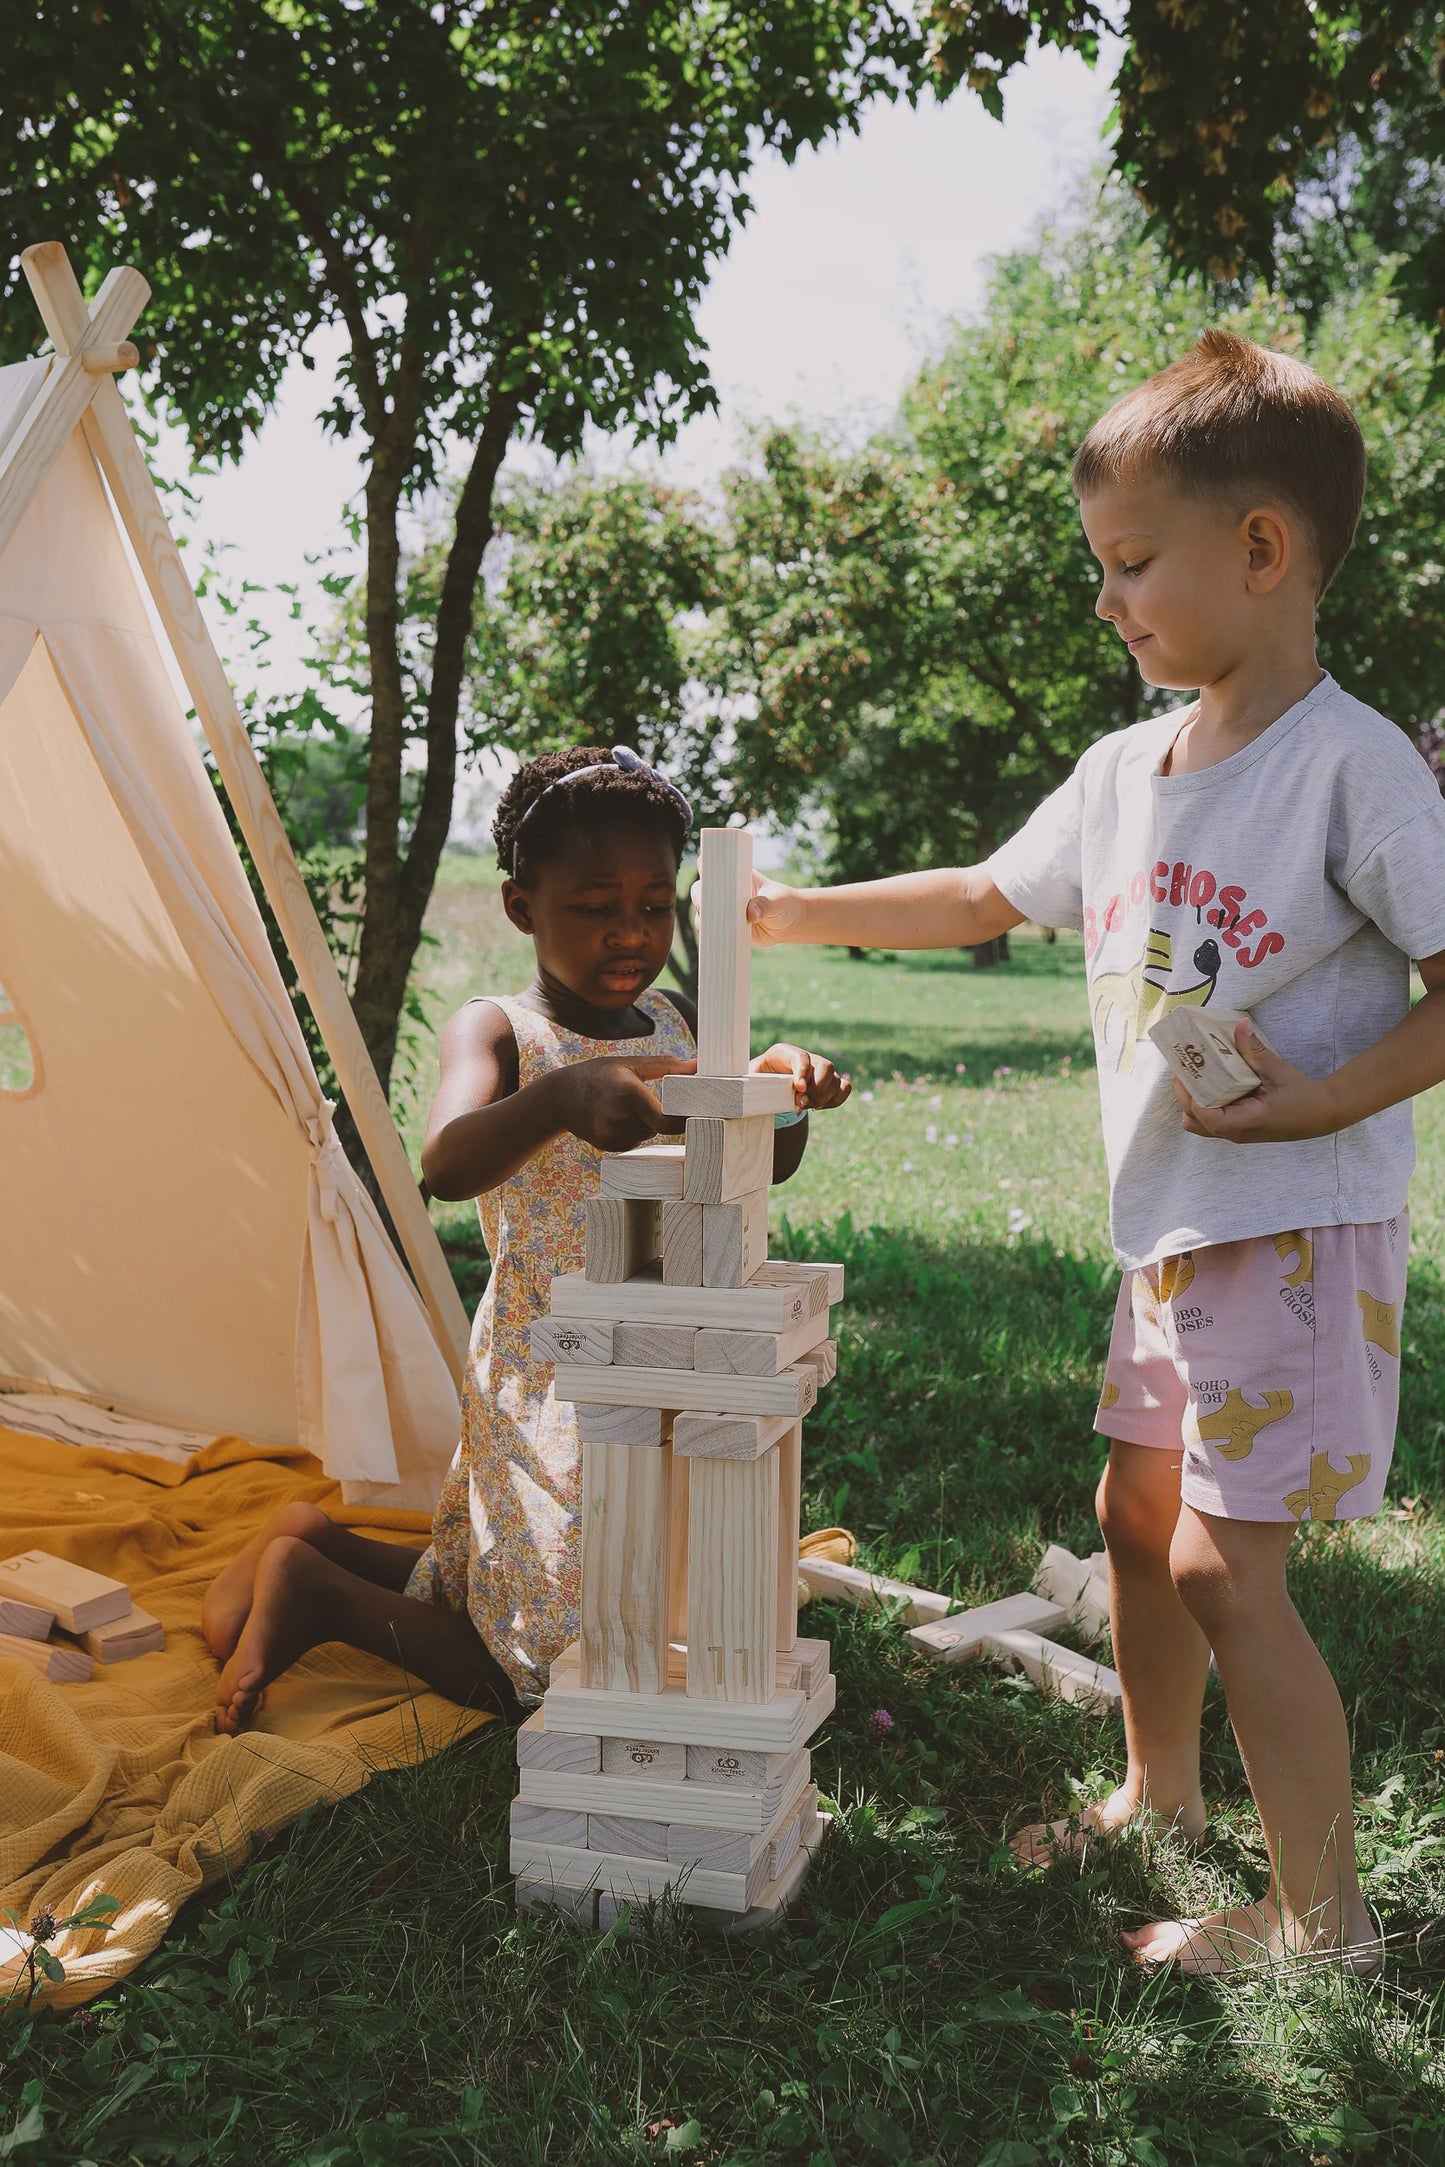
(504,1539)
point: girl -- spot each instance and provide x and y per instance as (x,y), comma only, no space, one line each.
(533,1089)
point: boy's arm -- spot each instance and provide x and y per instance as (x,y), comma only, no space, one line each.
(1290,1106)
(956,907)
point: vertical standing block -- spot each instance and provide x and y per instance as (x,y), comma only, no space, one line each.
(732,1579)
(725,861)
(680,1479)
(790,1527)
(681,1243)
(626,1508)
(727,1159)
(734,1240)
(623,1234)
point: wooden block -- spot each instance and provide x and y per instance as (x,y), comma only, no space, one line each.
(646,1760)
(729,1849)
(54,1659)
(779,1725)
(24,1621)
(728,1159)
(677,1548)
(653,1170)
(1198,1044)
(578,1904)
(571,1339)
(790,1527)
(749,1771)
(775,1897)
(622,1836)
(600,1423)
(823,1283)
(732,1579)
(1063,1578)
(809,1663)
(700,1805)
(960,1638)
(725,949)
(728,1437)
(623,1234)
(547,1824)
(734,1240)
(684,1390)
(637,1879)
(823,1357)
(790,1672)
(124,1638)
(559,1751)
(758,1354)
(1099,1565)
(851,1584)
(681,1244)
(784,1846)
(1063,1671)
(79,1598)
(727,1098)
(654,1346)
(777,1297)
(625,1508)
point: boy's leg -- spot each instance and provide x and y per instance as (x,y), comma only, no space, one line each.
(302,1597)
(227,1602)
(1290,1725)
(1161,1656)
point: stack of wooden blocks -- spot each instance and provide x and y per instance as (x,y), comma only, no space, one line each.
(44,1599)
(670,1751)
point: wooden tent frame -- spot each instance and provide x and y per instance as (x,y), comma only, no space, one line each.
(91,345)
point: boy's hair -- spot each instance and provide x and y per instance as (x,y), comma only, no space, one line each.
(637,795)
(1231,421)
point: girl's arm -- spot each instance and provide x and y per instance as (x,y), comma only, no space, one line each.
(955,907)
(483,1127)
(815,1083)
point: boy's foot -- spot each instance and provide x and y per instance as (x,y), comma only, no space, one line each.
(1073,1837)
(227,1601)
(282,1624)
(1249,1937)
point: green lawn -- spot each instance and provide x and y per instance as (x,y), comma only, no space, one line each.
(363,1993)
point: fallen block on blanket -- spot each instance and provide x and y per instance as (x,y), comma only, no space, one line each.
(54,1659)
(871,1591)
(24,1621)
(78,1597)
(134,1633)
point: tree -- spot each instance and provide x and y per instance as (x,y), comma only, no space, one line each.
(510,210)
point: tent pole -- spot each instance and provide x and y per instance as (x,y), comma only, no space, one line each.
(111,436)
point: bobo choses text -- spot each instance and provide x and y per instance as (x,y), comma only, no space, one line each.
(1332,831)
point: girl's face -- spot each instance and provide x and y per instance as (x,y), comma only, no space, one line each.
(600,910)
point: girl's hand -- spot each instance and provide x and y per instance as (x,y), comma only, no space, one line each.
(815,1080)
(607,1103)
(1287,1108)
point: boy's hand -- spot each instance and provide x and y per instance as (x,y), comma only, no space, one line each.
(772,914)
(607,1103)
(1287,1108)
(815,1080)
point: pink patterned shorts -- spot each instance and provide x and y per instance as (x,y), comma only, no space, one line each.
(1274,1362)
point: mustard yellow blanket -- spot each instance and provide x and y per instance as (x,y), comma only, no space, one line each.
(121,1787)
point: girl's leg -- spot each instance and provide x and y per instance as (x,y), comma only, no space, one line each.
(227,1602)
(302,1597)
(1292,1738)
(1161,1656)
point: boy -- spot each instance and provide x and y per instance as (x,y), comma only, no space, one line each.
(1278,846)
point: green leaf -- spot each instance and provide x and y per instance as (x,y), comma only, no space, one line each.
(685,2138)
(28,2130)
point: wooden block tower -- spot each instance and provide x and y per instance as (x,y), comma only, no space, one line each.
(670,1751)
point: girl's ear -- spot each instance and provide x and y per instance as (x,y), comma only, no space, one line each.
(518,906)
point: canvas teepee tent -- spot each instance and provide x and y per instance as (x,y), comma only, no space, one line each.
(182,1240)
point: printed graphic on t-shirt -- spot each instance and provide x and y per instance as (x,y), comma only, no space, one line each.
(1169,973)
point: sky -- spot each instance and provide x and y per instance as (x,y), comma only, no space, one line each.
(834,289)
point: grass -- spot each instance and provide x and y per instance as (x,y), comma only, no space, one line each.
(363,1993)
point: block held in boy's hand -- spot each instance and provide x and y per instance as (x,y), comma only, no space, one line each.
(1199,1045)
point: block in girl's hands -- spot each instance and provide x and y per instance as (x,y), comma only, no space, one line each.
(1198,1044)
(624,1233)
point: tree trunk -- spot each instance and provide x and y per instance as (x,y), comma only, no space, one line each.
(988,953)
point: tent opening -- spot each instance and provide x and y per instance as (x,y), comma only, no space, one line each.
(18,1073)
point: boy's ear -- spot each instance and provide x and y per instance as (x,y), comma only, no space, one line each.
(1267,537)
(518,905)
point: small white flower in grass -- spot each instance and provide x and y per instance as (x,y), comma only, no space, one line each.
(951,1142)
(937,1099)
(908,1166)
(960,1068)
(866,1097)
(930,1134)
(968,1136)
(1018,1220)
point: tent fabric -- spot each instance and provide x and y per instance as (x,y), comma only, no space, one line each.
(121,1787)
(80,1422)
(184,1239)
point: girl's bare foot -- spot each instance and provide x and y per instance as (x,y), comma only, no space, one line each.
(1045,1842)
(227,1602)
(1253,1936)
(280,1626)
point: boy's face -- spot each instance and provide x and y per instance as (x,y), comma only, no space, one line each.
(1184,579)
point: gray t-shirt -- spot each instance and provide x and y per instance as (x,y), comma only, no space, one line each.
(1296,879)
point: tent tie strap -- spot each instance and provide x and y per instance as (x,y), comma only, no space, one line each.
(328,1158)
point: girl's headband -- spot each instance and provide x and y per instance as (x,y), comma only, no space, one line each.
(623,757)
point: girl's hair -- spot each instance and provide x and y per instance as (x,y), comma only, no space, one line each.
(527,838)
(1232,421)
